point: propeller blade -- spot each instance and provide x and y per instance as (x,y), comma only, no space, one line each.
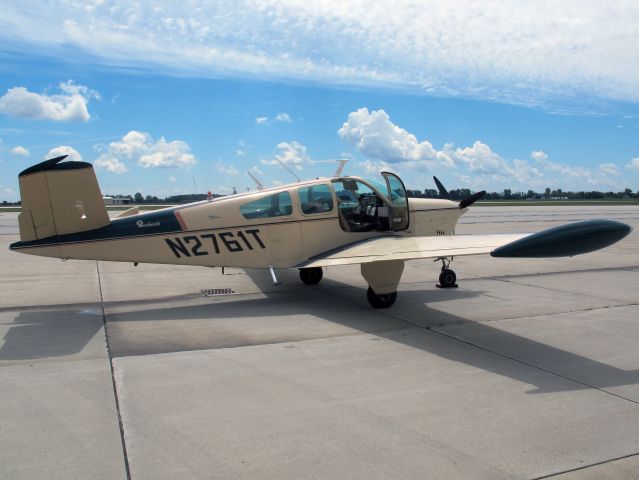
(443,193)
(468,201)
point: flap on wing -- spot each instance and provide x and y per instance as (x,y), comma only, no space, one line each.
(397,247)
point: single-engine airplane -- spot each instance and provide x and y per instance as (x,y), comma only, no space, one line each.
(306,225)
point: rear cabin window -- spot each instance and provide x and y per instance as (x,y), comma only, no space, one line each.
(276,205)
(315,199)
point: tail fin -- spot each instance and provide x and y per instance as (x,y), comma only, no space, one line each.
(59,198)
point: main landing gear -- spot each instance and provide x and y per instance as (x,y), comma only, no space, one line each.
(447,277)
(384,300)
(311,276)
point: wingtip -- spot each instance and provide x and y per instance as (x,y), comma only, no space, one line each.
(566,240)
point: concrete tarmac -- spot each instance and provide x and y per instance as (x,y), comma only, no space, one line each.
(528,370)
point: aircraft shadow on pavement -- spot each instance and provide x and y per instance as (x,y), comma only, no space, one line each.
(45,332)
(241,321)
(295,312)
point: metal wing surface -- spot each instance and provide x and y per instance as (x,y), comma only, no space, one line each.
(397,247)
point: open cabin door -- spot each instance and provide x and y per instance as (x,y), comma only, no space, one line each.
(398,215)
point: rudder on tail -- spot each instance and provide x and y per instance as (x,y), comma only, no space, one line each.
(60,198)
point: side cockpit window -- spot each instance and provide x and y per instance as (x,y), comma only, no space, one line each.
(276,205)
(315,199)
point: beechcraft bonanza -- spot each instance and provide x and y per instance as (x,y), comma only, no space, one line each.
(307,225)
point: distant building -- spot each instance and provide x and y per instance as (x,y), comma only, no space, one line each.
(116,201)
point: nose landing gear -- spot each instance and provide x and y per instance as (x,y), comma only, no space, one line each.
(447,277)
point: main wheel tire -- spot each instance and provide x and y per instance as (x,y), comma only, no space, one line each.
(384,300)
(311,276)
(447,278)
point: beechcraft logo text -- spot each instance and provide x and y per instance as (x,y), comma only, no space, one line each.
(142,224)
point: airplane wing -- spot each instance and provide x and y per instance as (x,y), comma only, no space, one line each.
(562,241)
(408,248)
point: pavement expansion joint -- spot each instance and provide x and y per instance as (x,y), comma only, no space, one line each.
(507,279)
(630,268)
(531,365)
(563,312)
(435,330)
(584,467)
(115,386)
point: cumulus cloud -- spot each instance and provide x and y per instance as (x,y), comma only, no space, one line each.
(140,148)
(388,146)
(373,134)
(110,164)
(634,164)
(71,104)
(226,169)
(610,169)
(480,158)
(20,151)
(290,153)
(527,53)
(282,117)
(566,172)
(72,153)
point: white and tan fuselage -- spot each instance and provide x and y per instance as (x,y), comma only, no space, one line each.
(306,225)
(215,233)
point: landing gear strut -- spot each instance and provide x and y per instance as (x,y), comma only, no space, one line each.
(447,277)
(311,276)
(384,300)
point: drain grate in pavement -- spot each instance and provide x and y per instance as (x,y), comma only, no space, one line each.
(213,292)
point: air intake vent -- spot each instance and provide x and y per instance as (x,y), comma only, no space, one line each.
(214,292)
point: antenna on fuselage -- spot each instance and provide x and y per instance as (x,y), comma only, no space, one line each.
(289,170)
(340,168)
(259,184)
(342,162)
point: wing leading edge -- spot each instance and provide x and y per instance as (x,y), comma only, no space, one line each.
(565,240)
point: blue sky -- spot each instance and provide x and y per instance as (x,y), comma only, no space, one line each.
(483,95)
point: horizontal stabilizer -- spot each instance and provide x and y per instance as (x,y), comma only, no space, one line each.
(566,240)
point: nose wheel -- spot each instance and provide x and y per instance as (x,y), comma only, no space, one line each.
(447,277)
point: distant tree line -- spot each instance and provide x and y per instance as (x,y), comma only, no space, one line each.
(547,194)
(456,194)
(138,198)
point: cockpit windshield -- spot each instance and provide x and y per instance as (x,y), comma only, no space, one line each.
(379,186)
(362,207)
(365,205)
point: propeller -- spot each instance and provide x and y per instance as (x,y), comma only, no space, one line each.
(443,193)
(466,202)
